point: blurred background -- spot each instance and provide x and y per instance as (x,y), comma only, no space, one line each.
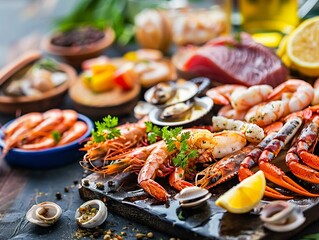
(24,22)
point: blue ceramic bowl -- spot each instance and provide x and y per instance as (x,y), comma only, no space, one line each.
(47,158)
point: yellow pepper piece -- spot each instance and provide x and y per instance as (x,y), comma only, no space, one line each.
(101,68)
(102,82)
(130,56)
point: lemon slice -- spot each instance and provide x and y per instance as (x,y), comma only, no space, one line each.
(244,196)
(303,47)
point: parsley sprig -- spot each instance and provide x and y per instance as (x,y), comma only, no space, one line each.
(153,132)
(56,135)
(106,129)
(175,141)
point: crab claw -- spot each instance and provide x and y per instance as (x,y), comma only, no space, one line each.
(310,159)
(269,192)
(276,175)
(301,171)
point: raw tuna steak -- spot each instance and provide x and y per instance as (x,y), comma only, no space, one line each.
(244,62)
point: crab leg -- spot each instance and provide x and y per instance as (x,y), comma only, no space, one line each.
(223,170)
(300,153)
(307,141)
(273,173)
(252,159)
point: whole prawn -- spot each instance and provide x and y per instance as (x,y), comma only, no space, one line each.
(132,134)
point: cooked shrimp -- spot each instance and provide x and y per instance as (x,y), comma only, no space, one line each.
(208,145)
(228,112)
(265,113)
(23,120)
(252,132)
(315,99)
(221,94)
(243,99)
(77,130)
(296,95)
(152,72)
(131,135)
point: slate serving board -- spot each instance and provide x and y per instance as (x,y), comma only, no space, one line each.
(123,196)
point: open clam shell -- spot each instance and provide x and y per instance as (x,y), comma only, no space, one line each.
(199,110)
(94,218)
(168,93)
(192,196)
(281,216)
(177,111)
(44,214)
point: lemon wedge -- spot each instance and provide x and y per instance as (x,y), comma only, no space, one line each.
(303,47)
(244,196)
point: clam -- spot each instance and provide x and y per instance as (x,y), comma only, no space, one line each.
(44,214)
(177,111)
(142,109)
(192,196)
(281,216)
(162,92)
(91,214)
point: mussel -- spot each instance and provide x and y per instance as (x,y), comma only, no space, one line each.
(192,196)
(281,216)
(91,214)
(177,111)
(44,214)
(163,92)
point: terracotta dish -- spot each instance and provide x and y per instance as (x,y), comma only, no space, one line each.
(23,104)
(77,54)
(96,105)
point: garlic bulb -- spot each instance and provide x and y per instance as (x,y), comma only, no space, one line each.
(153,30)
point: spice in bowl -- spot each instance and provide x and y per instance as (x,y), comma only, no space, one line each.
(78,37)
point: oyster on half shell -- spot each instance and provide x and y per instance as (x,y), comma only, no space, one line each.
(44,214)
(192,196)
(281,216)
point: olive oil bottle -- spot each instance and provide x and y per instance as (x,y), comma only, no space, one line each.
(268,20)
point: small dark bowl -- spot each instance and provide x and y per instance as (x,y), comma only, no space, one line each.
(76,55)
(47,158)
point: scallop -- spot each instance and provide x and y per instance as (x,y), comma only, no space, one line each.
(281,216)
(97,219)
(44,214)
(192,196)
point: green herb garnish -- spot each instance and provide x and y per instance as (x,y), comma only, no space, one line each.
(153,132)
(56,135)
(48,64)
(106,130)
(175,140)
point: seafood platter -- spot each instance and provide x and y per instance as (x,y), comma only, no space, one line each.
(222,144)
(250,172)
